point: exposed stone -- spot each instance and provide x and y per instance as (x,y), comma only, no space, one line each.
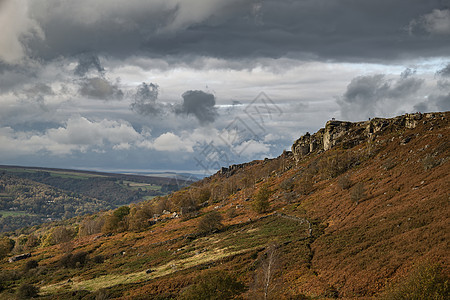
(19,257)
(350,134)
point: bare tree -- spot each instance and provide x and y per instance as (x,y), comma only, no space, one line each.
(265,282)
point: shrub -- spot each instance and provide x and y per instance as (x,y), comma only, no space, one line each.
(73,260)
(210,223)
(261,199)
(344,182)
(31,264)
(389,164)
(306,185)
(335,164)
(424,282)
(26,291)
(429,162)
(99,259)
(287,184)
(214,285)
(357,193)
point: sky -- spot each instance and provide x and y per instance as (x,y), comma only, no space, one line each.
(194,85)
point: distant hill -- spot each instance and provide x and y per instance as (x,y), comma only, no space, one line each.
(30,196)
(354,211)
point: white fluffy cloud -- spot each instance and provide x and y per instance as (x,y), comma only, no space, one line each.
(78,134)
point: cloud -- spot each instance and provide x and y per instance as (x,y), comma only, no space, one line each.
(145,100)
(350,30)
(77,134)
(437,22)
(200,104)
(87,63)
(170,142)
(444,72)
(435,102)
(375,95)
(16,26)
(100,88)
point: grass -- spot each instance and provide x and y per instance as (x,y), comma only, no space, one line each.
(9,213)
(165,269)
(138,185)
(62,174)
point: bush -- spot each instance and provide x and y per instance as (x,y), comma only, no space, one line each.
(31,264)
(306,185)
(358,193)
(287,184)
(214,285)
(99,259)
(344,182)
(73,260)
(425,282)
(429,162)
(210,223)
(26,291)
(261,199)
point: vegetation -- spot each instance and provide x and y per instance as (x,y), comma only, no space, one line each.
(27,291)
(261,200)
(358,193)
(426,281)
(210,223)
(214,285)
(30,197)
(208,240)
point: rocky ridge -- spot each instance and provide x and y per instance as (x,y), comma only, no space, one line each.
(349,134)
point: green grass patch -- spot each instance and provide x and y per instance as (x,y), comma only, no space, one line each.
(10,213)
(134,186)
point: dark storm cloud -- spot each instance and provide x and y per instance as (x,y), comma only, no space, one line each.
(87,63)
(145,100)
(199,104)
(349,30)
(365,94)
(100,88)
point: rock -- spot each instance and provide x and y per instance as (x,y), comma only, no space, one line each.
(19,257)
(350,134)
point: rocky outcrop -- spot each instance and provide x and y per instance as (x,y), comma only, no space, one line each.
(19,257)
(349,134)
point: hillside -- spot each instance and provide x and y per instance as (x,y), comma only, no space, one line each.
(31,196)
(355,211)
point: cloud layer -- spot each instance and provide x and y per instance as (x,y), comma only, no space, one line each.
(171,84)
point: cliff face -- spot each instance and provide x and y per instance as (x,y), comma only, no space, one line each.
(349,134)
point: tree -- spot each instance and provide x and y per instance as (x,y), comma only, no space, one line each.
(261,199)
(6,246)
(210,223)
(214,285)
(265,275)
(117,221)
